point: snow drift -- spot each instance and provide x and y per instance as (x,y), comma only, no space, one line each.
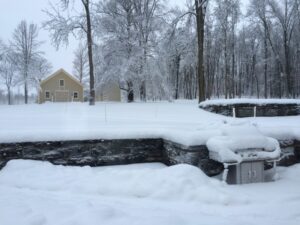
(180,182)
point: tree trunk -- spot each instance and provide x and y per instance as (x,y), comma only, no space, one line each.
(26,85)
(200,16)
(177,77)
(143,91)
(226,67)
(90,51)
(265,65)
(233,61)
(290,91)
(130,94)
(8,96)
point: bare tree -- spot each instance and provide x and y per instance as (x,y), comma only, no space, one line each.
(8,72)
(41,68)
(119,52)
(61,26)
(25,45)
(80,63)
(2,47)
(147,21)
(286,13)
(258,10)
(129,30)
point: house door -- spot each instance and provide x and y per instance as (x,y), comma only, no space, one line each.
(61,96)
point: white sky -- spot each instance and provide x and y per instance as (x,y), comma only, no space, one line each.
(13,11)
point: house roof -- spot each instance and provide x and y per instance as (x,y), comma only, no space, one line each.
(58,72)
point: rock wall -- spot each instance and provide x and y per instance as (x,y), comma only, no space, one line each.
(91,152)
(247,110)
(175,153)
(120,152)
(110,152)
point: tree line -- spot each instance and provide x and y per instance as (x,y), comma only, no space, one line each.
(153,51)
(255,53)
(207,49)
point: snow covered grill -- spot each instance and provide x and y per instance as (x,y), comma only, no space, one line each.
(243,156)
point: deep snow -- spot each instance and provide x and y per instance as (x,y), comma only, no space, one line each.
(38,193)
(181,121)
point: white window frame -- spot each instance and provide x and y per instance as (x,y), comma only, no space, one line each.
(77,95)
(63,82)
(47,91)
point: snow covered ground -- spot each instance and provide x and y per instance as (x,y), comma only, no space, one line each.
(181,121)
(38,193)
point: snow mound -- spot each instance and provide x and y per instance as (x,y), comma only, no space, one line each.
(180,182)
(229,149)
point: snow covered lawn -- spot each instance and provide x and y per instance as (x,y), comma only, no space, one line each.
(38,193)
(181,121)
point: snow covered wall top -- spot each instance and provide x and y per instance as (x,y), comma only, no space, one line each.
(253,107)
(251,101)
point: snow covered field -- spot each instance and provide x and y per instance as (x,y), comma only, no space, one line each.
(181,121)
(38,193)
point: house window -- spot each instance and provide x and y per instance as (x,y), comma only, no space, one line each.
(47,94)
(61,83)
(75,95)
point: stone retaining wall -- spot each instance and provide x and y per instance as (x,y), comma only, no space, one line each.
(110,152)
(120,152)
(248,110)
(91,152)
(175,153)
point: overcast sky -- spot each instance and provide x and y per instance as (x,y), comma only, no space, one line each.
(13,11)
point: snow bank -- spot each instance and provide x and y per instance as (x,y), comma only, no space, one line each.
(180,182)
(235,149)
(37,193)
(248,101)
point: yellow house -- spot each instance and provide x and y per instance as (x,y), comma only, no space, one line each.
(60,87)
